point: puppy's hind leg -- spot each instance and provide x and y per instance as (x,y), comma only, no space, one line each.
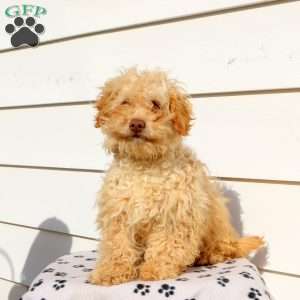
(222,242)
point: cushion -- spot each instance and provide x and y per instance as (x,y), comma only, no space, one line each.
(67,278)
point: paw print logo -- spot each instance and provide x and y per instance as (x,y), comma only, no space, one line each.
(59,284)
(223,281)
(142,288)
(24,32)
(254,294)
(246,275)
(36,284)
(167,290)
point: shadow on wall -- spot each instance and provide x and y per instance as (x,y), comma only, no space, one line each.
(260,258)
(46,247)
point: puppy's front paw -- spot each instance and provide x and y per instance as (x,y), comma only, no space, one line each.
(158,271)
(109,275)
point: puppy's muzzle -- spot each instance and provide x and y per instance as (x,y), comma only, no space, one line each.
(137,126)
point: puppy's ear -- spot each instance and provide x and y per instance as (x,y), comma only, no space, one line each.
(181,107)
(100,105)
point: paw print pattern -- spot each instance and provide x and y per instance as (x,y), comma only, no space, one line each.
(229,268)
(167,290)
(61,274)
(59,284)
(24,32)
(224,272)
(210,267)
(230,262)
(246,275)
(200,271)
(223,276)
(48,270)
(182,279)
(78,266)
(204,276)
(254,294)
(223,281)
(143,289)
(87,270)
(36,284)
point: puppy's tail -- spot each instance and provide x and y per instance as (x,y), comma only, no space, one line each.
(247,244)
(224,250)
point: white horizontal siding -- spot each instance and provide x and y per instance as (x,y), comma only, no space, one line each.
(67,196)
(30,250)
(64,19)
(258,209)
(203,53)
(250,137)
(282,287)
(10,290)
(239,136)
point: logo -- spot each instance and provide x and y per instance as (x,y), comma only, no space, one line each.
(25,29)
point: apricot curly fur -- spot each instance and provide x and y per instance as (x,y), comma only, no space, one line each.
(158,211)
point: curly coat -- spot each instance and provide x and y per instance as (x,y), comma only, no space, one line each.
(158,211)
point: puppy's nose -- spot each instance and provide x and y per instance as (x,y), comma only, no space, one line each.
(137,125)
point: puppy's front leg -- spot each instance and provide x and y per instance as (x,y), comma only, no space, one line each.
(168,253)
(118,257)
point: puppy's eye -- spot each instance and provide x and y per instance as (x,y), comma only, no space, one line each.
(155,105)
(125,102)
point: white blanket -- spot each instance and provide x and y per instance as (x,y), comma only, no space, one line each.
(66,279)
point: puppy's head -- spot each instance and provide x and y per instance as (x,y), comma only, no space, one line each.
(143,114)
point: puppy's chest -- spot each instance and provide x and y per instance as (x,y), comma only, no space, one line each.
(145,193)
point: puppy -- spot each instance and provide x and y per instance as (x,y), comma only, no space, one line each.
(158,211)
